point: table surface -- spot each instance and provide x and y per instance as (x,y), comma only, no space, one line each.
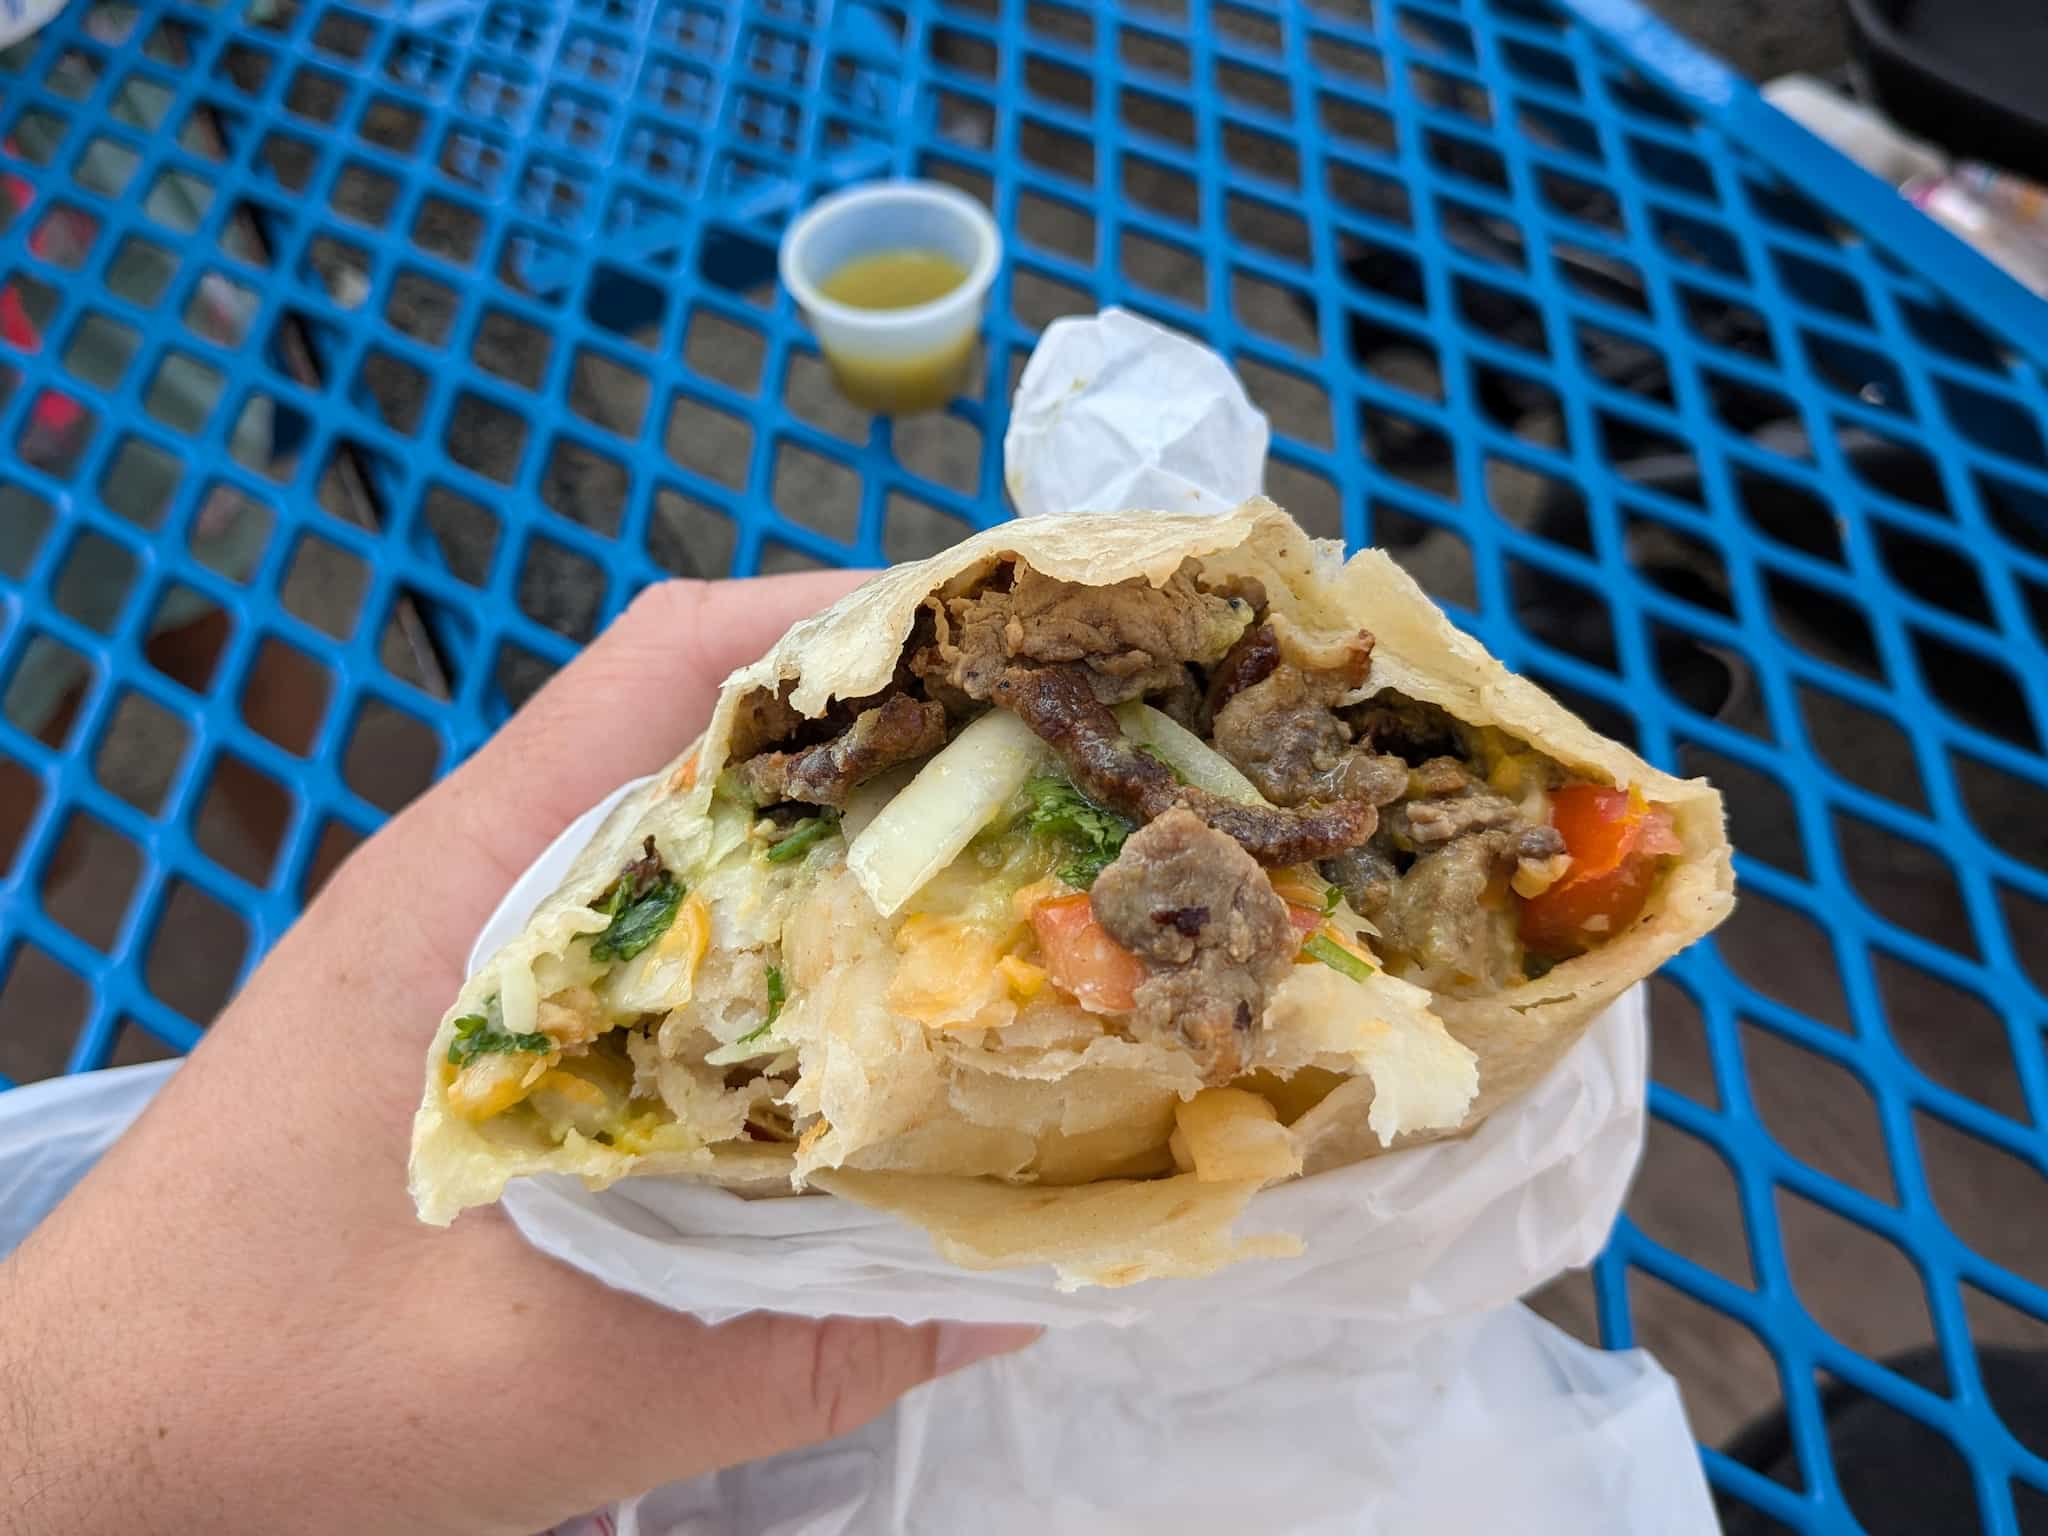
(358,361)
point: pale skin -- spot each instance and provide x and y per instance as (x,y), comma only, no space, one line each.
(236,1323)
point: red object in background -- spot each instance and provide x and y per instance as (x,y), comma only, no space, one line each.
(1615,841)
(14,327)
(52,413)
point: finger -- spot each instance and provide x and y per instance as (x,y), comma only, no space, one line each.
(854,1368)
(626,706)
(500,1318)
(764,1384)
(643,689)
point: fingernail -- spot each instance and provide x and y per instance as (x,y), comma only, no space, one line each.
(961,1344)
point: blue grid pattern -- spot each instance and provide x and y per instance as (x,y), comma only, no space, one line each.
(420,301)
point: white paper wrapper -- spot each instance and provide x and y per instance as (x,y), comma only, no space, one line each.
(1114,412)
(1380,1382)
(1225,1425)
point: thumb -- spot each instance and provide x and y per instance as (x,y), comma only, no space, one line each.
(837,1373)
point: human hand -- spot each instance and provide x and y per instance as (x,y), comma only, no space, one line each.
(235,1323)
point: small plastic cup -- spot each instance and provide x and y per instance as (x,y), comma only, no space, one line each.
(894,361)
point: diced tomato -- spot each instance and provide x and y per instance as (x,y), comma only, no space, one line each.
(1082,959)
(1615,839)
(1306,920)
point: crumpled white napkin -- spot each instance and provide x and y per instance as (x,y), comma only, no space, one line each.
(1114,412)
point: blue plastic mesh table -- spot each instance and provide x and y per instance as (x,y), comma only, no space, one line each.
(394,348)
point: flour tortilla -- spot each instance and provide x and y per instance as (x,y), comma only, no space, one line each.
(916,1149)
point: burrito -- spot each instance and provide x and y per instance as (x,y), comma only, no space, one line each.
(1060,891)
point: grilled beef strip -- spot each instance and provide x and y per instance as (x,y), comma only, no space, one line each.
(1132,638)
(898,730)
(1058,704)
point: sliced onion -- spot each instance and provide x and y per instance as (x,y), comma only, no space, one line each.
(954,796)
(518,998)
(745,1050)
(1190,756)
(867,800)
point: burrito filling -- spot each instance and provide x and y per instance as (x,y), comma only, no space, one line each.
(1076,814)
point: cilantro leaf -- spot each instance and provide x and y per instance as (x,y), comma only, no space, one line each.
(1320,946)
(484,1034)
(1091,836)
(1081,870)
(640,905)
(775,999)
(636,921)
(798,840)
(1331,896)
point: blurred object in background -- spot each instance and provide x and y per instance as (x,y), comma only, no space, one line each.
(1866,136)
(1965,73)
(2003,215)
(2000,212)
(18,18)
